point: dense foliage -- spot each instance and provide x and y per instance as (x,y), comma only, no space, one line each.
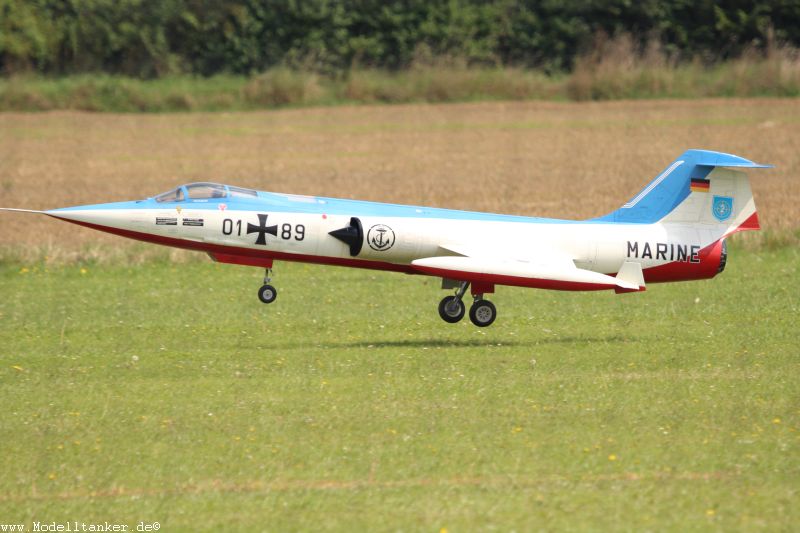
(155,38)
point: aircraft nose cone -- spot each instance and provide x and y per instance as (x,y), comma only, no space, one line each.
(117,215)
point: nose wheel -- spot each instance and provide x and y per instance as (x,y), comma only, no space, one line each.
(267,293)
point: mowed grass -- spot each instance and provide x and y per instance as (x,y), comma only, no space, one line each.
(563,160)
(169,393)
(142,385)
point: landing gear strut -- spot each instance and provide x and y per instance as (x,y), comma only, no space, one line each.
(267,293)
(452,308)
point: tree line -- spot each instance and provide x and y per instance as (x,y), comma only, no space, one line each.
(156,38)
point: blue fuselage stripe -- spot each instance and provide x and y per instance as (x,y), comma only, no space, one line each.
(267,202)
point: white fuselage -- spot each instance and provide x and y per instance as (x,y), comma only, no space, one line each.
(394,242)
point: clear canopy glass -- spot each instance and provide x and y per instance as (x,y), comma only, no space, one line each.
(175,195)
(204,191)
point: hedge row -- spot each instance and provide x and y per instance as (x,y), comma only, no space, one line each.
(150,39)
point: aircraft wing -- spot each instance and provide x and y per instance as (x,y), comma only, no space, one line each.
(546,270)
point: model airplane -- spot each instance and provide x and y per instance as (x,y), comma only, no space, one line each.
(673,230)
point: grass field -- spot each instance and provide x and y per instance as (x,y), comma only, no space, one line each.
(142,385)
(170,394)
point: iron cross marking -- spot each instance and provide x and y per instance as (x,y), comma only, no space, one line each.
(262,229)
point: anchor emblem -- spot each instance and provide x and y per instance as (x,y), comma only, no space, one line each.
(380,237)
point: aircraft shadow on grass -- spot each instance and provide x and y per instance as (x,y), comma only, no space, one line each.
(485,343)
(430,343)
(470,343)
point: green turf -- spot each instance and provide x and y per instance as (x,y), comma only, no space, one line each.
(168,393)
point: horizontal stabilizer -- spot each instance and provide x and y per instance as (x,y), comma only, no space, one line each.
(709,158)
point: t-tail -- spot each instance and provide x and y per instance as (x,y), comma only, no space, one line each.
(701,188)
(698,200)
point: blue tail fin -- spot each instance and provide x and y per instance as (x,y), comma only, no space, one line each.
(670,188)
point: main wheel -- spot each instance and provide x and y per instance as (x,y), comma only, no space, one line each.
(267,294)
(482,313)
(451,309)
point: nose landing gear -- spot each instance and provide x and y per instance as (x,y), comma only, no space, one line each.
(267,293)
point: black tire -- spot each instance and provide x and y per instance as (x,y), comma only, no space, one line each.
(267,294)
(482,313)
(451,309)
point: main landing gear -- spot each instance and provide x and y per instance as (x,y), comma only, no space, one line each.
(483,312)
(267,293)
(452,308)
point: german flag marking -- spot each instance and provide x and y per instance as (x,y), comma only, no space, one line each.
(700,185)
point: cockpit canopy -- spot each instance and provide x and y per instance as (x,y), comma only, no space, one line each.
(204,192)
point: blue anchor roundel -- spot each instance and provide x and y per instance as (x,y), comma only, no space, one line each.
(722,208)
